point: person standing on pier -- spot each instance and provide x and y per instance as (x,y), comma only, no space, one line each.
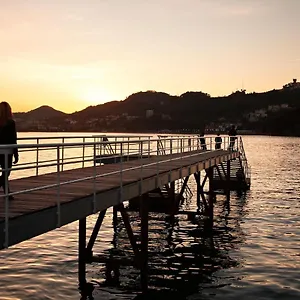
(202,141)
(8,136)
(218,142)
(232,137)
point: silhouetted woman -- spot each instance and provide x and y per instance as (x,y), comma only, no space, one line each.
(8,136)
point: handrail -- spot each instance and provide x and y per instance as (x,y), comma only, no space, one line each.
(245,165)
(85,150)
(78,137)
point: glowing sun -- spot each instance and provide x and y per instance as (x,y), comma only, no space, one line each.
(95,96)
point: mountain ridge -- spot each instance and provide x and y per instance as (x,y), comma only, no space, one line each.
(159,111)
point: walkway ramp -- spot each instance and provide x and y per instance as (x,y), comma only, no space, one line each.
(39,211)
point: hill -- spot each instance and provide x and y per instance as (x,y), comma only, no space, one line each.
(40,113)
(272,112)
(40,119)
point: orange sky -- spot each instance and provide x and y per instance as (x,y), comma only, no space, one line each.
(73,53)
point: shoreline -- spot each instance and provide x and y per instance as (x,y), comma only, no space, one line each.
(241,132)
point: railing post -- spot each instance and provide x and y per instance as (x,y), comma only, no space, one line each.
(37,157)
(62,154)
(58,186)
(83,152)
(181,156)
(100,150)
(121,173)
(6,191)
(95,176)
(149,147)
(141,162)
(142,149)
(157,169)
(128,149)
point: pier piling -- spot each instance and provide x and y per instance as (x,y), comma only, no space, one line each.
(144,243)
(82,253)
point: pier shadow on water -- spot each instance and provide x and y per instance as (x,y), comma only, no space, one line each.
(184,255)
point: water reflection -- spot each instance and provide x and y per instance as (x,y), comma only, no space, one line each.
(87,292)
(183,255)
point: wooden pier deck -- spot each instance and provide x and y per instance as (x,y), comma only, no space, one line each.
(37,212)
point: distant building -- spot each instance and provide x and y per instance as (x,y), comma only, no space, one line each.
(273,108)
(130,118)
(149,113)
(166,117)
(285,106)
(252,118)
(292,85)
(261,113)
(70,121)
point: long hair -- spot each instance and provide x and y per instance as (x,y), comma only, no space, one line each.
(5,113)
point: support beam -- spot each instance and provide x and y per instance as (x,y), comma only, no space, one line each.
(171,191)
(224,171)
(227,191)
(82,253)
(172,196)
(219,173)
(197,177)
(228,170)
(144,243)
(176,199)
(210,174)
(115,218)
(131,236)
(204,180)
(186,179)
(200,190)
(89,248)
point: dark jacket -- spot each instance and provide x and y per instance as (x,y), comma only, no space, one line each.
(8,135)
(232,132)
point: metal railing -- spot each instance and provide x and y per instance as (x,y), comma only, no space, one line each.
(245,165)
(43,157)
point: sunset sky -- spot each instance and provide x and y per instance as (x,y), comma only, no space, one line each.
(73,53)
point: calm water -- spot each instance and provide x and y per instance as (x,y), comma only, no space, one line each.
(253,251)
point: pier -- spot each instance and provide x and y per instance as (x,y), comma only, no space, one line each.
(60,180)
